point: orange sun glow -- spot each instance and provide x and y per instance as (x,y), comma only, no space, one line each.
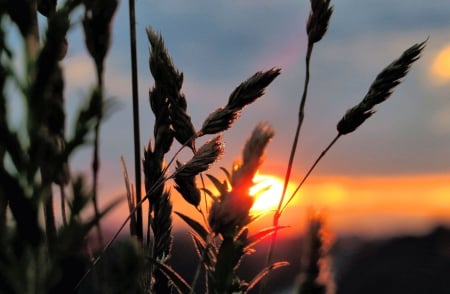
(440,67)
(267,192)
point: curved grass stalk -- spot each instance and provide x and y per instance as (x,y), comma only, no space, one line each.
(301,116)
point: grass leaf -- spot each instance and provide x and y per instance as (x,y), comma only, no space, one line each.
(264,273)
(196,226)
(180,284)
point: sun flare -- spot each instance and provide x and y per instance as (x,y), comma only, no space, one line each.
(267,192)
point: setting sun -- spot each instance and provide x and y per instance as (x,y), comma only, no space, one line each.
(267,192)
(440,67)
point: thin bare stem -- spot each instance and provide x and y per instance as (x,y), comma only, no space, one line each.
(96,159)
(322,154)
(130,198)
(137,144)
(301,115)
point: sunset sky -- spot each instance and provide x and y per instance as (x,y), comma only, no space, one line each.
(392,175)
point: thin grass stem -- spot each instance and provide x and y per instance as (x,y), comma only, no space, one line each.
(137,144)
(96,159)
(322,154)
(130,198)
(301,115)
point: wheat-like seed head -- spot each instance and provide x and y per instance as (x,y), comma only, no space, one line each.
(168,81)
(230,211)
(318,20)
(251,89)
(210,152)
(97,27)
(246,93)
(380,90)
(218,121)
(252,156)
(161,65)
(187,187)
(162,227)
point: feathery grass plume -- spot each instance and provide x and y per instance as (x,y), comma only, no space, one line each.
(97,29)
(230,211)
(252,156)
(246,93)
(168,81)
(380,90)
(187,188)
(208,153)
(314,276)
(318,20)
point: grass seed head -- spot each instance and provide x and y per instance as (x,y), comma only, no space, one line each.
(318,20)
(230,211)
(218,121)
(251,89)
(380,90)
(187,187)
(246,93)
(253,156)
(97,27)
(210,152)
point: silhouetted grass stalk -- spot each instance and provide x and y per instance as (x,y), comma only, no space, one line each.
(32,50)
(136,128)
(317,26)
(132,212)
(322,154)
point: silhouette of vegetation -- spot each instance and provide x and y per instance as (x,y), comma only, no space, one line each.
(35,160)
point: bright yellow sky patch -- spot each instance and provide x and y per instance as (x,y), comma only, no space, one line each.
(267,192)
(440,68)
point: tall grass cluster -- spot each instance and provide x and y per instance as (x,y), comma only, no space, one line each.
(39,256)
